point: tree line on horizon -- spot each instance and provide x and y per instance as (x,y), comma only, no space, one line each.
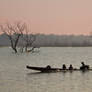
(53,40)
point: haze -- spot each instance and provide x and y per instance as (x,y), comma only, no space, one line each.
(50,16)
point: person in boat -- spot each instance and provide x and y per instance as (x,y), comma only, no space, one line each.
(84,67)
(64,67)
(48,67)
(70,67)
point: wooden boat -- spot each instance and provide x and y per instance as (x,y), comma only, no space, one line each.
(45,69)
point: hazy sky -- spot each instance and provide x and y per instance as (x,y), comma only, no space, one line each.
(50,16)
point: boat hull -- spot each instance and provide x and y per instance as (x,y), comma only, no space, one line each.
(44,69)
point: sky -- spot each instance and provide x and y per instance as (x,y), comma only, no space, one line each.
(50,16)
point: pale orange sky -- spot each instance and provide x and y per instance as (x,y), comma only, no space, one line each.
(50,16)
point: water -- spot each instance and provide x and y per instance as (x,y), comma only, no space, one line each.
(14,77)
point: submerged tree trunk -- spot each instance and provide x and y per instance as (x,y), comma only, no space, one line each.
(15,50)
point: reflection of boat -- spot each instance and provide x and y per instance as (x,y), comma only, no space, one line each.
(45,69)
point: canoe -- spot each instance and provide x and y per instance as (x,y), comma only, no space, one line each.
(44,69)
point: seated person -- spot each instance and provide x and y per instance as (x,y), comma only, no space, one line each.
(84,67)
(48,67)
(70,67)
(64,67)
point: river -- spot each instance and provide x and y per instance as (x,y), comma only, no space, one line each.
(14,77)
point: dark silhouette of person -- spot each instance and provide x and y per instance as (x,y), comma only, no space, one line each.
(84,67)
(64,67)
(70,67)
(48,67)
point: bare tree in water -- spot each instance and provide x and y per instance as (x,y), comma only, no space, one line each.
(29,40)
(14,32)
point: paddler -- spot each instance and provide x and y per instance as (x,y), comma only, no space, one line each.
(70,67)
(64,67)
(48,67)
(84,67)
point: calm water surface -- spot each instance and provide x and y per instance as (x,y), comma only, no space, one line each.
(14,77)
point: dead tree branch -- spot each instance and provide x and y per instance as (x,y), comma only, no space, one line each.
(14,32)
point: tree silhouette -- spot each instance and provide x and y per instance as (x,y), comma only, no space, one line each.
(14,32)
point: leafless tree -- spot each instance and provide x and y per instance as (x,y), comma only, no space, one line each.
(14,32)
(29,40)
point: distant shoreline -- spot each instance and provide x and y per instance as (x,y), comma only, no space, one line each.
(43,40)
